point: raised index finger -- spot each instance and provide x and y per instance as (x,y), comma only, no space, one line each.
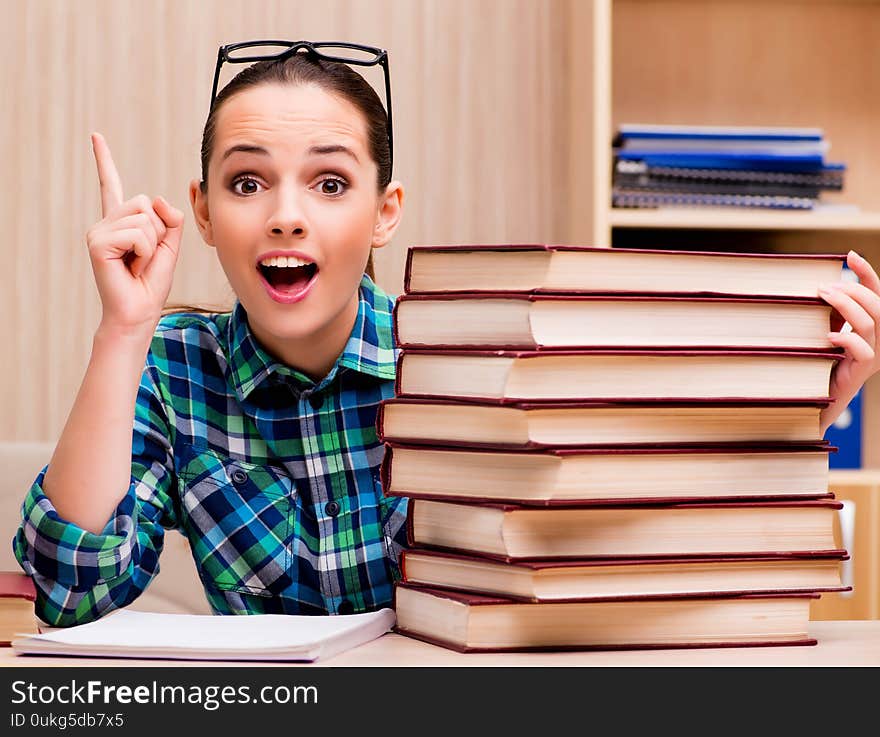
(111,184)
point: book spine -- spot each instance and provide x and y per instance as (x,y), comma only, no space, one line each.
(395,322)
(385,472)
(397,385)
(410,528)
(380,422)
(407,271)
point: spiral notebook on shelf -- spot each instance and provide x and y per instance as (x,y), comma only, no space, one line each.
(276,637)
(828,176)
(641,198)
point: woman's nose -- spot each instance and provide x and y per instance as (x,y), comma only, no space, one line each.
(288,216)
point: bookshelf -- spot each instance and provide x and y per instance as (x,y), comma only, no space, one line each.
(808,63)
(860,493)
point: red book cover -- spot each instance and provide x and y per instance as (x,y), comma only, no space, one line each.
(17,585)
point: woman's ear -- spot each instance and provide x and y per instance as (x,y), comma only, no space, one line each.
(199,203)
(389,214)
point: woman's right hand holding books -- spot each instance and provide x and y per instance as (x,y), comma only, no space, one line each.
(133,251)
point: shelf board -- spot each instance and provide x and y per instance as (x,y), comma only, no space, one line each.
(732,219)
(854,477)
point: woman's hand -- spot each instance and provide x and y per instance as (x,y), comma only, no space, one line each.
(133,251)
(858,305)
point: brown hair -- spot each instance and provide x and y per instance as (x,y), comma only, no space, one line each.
(304,68)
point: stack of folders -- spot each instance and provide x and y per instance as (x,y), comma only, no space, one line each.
(735,166)
(611,448)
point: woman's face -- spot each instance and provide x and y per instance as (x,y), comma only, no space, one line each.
(293,210)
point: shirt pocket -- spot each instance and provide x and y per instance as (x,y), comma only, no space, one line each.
(238,516)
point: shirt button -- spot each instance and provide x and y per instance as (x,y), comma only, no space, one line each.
(239,477)
(316,400)
(332,508)
(345,607)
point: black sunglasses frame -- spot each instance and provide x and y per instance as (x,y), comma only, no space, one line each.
(380,57)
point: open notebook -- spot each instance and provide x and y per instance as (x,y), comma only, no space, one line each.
(131,634)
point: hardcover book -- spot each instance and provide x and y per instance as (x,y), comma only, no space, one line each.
(524,425)
(615,375)
(577,476)
(561,269)
(471,622)
(579,580)
(17,597)
(510,532)
(524,322)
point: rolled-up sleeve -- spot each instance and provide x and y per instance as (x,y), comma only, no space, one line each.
(79,575)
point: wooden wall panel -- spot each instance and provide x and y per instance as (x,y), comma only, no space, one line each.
(479,92)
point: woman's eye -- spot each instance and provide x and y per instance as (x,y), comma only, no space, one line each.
(332,186)
(249,185)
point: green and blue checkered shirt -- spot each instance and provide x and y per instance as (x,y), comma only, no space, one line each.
(273,479)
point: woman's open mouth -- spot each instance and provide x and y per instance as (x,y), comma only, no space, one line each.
(287,278)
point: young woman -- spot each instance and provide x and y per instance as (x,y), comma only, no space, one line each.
(254,431)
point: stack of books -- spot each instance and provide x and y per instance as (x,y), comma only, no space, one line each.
(611,448)
(735,166)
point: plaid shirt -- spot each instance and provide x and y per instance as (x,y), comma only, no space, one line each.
(273,479)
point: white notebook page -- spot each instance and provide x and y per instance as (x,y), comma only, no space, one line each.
(272,636)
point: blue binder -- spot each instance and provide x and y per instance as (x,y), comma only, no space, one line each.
(846,434)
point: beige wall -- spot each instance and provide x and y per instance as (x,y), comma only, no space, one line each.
(480,106)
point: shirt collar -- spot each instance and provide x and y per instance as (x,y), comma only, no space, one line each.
(369,350)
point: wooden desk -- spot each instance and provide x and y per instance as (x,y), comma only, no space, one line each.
(841,643)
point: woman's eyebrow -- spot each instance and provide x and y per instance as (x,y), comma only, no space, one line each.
(333,148)
(246,148)
(325,150)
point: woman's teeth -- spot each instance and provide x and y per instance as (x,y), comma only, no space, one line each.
(284,261)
